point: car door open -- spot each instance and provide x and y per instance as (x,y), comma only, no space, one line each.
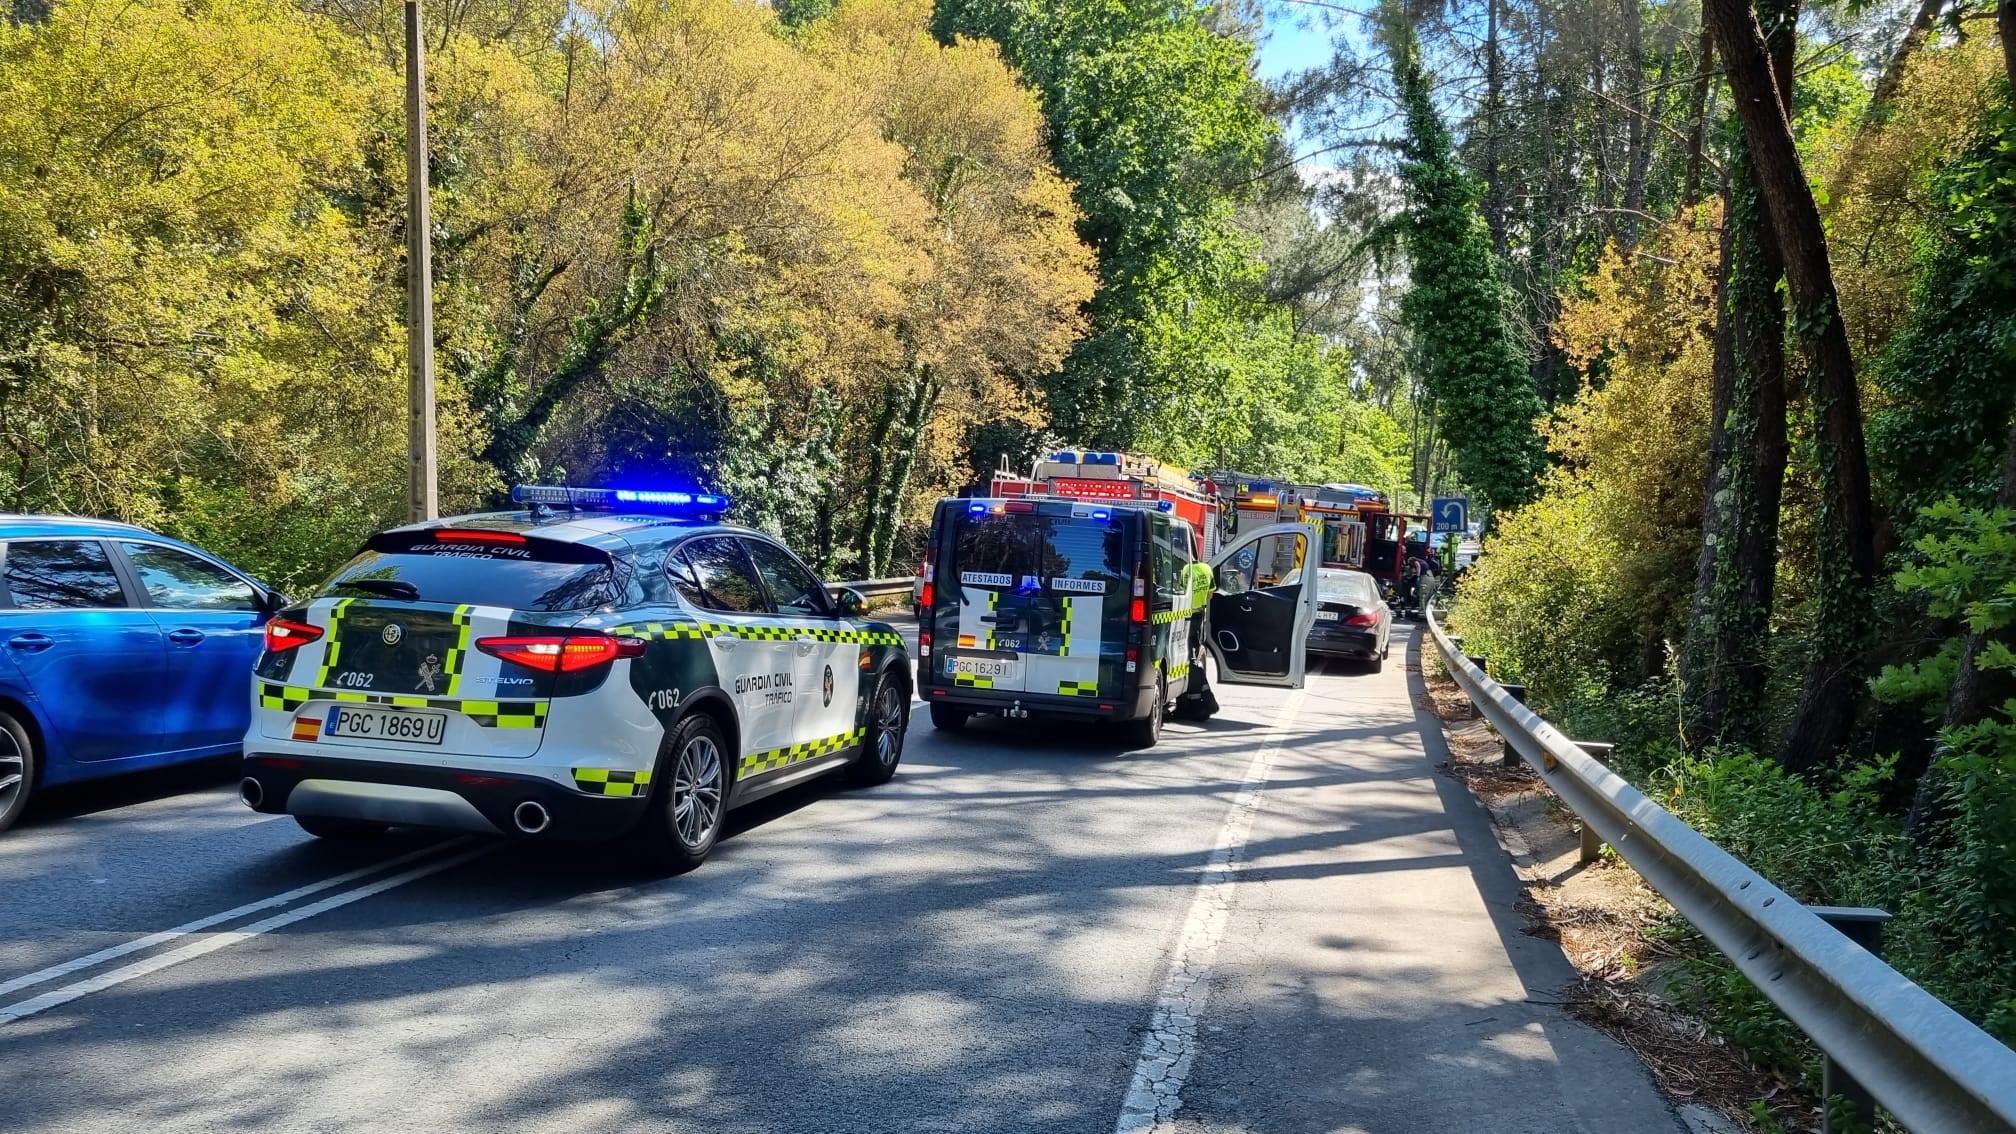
(1259,629)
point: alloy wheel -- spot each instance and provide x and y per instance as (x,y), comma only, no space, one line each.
(696,792)
(13,770)
(888,725)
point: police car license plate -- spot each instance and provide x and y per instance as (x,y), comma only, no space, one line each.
(397,725)
(1326,616)
(983,667)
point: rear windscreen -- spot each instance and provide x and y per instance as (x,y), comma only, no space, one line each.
(1347,587)
(1007,550)
(486,569)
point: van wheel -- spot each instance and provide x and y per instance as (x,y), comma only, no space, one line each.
(17,769)
(949,718)
(340,830)
(688,799)
(1377,663)
(1147,731)
(882,747)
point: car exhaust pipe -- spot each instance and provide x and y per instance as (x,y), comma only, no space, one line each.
(531,817)
(252,792)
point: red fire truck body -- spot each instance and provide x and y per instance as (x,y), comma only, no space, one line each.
(1122,479)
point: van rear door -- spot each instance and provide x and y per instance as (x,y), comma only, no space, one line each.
(1259,628)
(1043,596)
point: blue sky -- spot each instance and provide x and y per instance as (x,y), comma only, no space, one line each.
(1289,47)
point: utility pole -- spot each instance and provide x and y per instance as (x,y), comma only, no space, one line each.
(422,497)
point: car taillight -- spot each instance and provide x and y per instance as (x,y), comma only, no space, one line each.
(1362,620)
(923,643)
(286,634)
(568,654)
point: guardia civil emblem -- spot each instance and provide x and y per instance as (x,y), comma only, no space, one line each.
(828,686)
(392,634)
(429,670)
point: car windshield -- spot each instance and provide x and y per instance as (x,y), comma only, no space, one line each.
(1024,545)
(523,574)
(1347,587)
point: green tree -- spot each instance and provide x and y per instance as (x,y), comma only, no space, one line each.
(1456,304)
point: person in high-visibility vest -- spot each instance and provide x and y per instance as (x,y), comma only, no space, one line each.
(1200,581)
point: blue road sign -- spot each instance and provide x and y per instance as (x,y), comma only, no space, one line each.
(1449,514)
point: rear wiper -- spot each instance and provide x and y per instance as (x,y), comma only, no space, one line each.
(390,588)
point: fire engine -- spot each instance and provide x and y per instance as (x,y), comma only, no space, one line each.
(1126,479)
(1360,530)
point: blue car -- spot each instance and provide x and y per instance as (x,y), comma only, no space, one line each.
(119,650)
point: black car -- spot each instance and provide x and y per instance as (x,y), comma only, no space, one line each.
(1352,621)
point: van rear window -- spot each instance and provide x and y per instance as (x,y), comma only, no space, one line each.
(480,568)
(1014,547)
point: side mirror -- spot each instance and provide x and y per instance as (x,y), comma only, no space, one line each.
(850,603)
(274,602)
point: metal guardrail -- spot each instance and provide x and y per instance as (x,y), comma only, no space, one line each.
(872,589)
(1935,1072)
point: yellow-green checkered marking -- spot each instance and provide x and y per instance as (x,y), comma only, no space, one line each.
(451,666)
(675,631)
(488,714)
(335,640)
(1078,688)
(1162,616)
(756,763)
(1065,630)
(606,781)
(973,679)
(1176,671)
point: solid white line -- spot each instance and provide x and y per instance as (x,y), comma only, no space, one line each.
(1170,1046)
(152,939)
(211,944)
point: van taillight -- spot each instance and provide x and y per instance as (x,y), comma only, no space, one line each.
(1139,611)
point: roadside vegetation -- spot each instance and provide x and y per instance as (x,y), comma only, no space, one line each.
(833,259)
(1772,549)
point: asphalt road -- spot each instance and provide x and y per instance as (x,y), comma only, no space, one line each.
(1283,921)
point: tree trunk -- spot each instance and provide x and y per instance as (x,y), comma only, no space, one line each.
(1494,99)
(1726,663)
(2005,26)
(1847,540)
(1697,112)
(1637,137)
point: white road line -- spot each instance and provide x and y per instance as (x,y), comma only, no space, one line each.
(152,939)
(211,944)
(1170,1046)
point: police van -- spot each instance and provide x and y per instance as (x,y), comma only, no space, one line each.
(1080,609)
(604,663)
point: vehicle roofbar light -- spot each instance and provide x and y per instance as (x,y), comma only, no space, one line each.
(640,499)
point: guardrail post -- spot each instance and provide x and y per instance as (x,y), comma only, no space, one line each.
(1511,758)
(1481,661)
(1592,843)
(1863,926)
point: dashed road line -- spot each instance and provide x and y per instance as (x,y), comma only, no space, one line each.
(210,944)
(1170,1047)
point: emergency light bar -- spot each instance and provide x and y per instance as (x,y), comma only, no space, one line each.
(640,499)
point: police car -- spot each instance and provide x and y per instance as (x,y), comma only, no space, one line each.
(605,663)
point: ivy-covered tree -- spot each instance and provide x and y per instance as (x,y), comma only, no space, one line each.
(1472,361)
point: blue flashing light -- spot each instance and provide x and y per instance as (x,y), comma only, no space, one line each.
(690,503)
(1100,459)
(1261,486)
(1166,505)
(1066,456)
(976,509)
(1101,514)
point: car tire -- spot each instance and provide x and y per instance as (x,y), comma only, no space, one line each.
(340,830)
(688,803)
(949,718)
(19,763)
(882,746)
(1377,663)
(1147,732)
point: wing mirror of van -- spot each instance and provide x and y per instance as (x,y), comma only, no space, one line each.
(849,602)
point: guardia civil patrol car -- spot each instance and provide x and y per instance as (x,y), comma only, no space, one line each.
(604,663)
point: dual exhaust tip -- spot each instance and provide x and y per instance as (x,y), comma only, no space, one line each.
(530,817)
